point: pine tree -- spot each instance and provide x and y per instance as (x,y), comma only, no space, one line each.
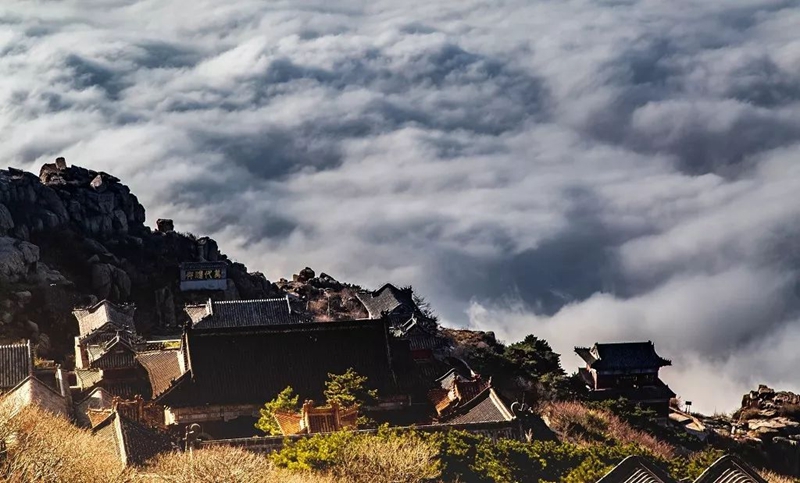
(286,400)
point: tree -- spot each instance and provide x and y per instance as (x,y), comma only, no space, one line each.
(286,400)
(425,307)
(348,390)
(535,356)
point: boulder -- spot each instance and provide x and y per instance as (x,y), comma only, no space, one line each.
(164,225)
(23,297)
(110,282)
(6,220)
(18,259)
(122,284)
(305,275)
(102,280)
(207,250)
(165,308)
(95,247)
(48,277)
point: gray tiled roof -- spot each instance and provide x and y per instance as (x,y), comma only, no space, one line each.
(250,313)
(417,335)
(16,363)
(103,312)
(96,399)
(486,407)
(162,368)
(88,377)
(115,354)
(133,442)
(622,355)
(635,469)
(388,299)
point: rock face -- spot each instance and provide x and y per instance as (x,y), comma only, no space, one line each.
(75,236)
(18,260)
(96,202)
(773,419)
(326,298)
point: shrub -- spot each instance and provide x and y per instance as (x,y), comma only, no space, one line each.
(387,456)
(319,452)
(391,457)
(286,400)
(577,422)
(690,468)
(591,469)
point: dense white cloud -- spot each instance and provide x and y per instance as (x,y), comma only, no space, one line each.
(585,170)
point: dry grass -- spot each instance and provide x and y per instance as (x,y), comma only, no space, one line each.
(36,446)
(222,464)
(575,422)
(776,478)
(44,448)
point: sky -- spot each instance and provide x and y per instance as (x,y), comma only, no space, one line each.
(583,170)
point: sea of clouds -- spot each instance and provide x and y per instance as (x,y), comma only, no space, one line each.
(584,170)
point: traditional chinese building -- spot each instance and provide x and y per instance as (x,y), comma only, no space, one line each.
(407,323)
(246,313)
(110,354)
(99,326)
(316,419)
(395,304)
(237,362)
(468,401)
(628,370)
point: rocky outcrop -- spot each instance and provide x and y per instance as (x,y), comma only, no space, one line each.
(165,225)
(765,399)
(18,260)
(771,419)
(326,298)
(75,236)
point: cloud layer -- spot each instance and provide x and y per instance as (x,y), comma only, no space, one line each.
(586,170)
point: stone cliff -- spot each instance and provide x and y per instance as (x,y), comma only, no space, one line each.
(74,236)
(766,428)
